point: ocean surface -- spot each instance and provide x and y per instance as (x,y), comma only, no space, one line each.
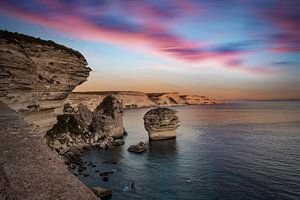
(243,150)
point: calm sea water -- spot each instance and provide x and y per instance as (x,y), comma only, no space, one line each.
(248,150)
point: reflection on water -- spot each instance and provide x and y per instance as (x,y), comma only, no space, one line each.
(162,148)
(235,151)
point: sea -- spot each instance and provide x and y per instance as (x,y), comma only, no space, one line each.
(235,151)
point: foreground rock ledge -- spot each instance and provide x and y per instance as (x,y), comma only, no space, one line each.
(28,168)
(161,123)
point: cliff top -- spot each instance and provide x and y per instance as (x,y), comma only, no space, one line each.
(16,38)
(110,92)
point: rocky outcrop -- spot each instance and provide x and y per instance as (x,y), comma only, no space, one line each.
(70,130)
(108,118)
(28,168)
(131,99)
(36,76)
(137,148)
(82,128)
(102,192)
(161,123)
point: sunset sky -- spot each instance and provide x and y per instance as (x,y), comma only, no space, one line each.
(230,49)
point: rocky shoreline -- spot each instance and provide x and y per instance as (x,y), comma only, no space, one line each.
(37,78)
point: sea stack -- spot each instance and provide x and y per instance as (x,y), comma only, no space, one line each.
(161,123)
(108,118)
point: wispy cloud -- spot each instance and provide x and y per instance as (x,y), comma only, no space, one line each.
(146,24)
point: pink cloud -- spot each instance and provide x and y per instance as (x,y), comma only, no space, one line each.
(157,38)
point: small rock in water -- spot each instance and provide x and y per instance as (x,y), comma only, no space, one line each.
(72,167)
(97,171)
(105,178)
(102,192)
(111,161)
(85,175)
(106,173)
(93,165)
(138,148)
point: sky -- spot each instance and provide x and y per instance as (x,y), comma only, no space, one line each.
(224,49)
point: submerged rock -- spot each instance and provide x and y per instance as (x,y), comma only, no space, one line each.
(111,161)
(138,148)
(108,118)
(102,192)
(108,173)
(161,123)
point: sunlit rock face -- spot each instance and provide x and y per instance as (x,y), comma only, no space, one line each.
(131,99)
(36,76)
(166,99)
(161,123)
(108,118)
(197,100)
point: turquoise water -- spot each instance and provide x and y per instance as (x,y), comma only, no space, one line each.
(246,150)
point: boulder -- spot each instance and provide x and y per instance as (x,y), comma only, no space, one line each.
(102,192)
(118,142)
(161,123)
(108,118)
(137,148)
(85,115)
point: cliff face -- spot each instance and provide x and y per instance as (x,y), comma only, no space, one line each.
(37,75)
(196,99)
(166,99)
(131,99)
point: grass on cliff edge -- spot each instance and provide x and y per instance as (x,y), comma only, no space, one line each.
(15,38)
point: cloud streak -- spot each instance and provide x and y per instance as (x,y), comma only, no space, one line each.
(140,24)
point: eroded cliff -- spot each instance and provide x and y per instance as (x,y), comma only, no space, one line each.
(131,99)
(37,75)
(134,99)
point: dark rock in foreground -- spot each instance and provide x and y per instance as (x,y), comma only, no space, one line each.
(28,168)
(161,123)
(138,148)
(102,192)
(82,128)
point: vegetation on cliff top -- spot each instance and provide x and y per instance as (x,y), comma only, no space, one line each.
(15,38)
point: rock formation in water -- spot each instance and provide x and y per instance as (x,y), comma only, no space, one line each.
(161,123)
(81,128)
(36,76)
(108,118)
(137,148)
(102,192)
